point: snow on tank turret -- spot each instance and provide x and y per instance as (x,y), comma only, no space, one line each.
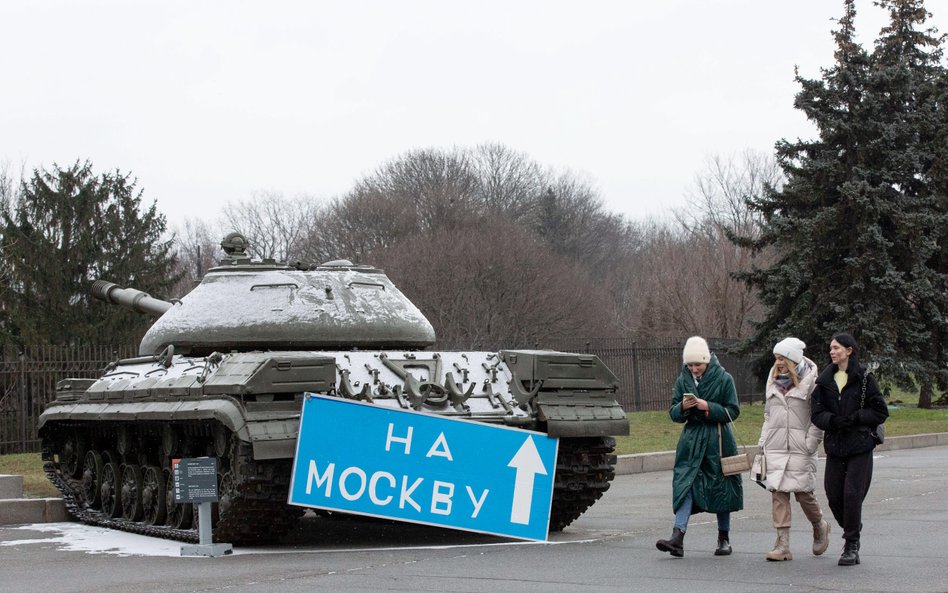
(262,305)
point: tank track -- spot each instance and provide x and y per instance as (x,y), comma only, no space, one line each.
(88,516)
(584,469)
(257,511)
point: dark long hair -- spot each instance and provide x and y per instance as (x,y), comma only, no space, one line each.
(848,341)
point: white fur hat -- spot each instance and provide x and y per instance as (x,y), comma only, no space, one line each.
(791,349)
(696,350)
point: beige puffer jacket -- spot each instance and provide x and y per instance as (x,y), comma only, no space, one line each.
(788,437)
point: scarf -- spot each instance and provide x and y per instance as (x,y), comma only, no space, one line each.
(784,383)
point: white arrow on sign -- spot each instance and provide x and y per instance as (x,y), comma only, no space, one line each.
(527,462)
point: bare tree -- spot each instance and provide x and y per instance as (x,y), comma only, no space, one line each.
(435,187)
(198,249)
(459,232)
(719,199)
(670,284)
(572,218)
(493,285)
(630,280)
(274,225)
(358,223)
(717,210)
(419,193)
(509,182)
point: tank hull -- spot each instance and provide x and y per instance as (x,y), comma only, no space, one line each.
(110,443)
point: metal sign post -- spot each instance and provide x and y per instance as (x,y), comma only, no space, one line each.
(195,481)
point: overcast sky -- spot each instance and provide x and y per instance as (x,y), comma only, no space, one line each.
(208,102)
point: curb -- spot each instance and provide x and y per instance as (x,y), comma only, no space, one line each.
(15,510)
(11,486)
(649,462)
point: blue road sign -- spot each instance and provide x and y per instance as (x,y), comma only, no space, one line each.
(422,468)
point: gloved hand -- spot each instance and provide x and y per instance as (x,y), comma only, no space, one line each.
(840,422)
(855,419)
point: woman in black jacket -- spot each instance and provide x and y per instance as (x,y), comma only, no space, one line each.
(847,405)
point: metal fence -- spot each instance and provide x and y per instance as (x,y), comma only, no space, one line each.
(646,370)
(28,380)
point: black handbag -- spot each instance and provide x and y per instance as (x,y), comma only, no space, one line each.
(878,433)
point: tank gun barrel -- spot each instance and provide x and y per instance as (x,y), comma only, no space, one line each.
(130,298)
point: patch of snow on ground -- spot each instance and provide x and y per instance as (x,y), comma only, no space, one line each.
(97,540)
(76,537)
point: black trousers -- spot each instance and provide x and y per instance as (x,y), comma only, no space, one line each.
(846,481)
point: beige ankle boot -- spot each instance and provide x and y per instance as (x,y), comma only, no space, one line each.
(821,540)
(781,549)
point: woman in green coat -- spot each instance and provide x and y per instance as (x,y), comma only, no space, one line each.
(703,400)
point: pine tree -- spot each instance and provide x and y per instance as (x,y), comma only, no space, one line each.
(908,116)
(859,227)
(67,228)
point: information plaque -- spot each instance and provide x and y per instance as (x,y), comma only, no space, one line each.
(195,480)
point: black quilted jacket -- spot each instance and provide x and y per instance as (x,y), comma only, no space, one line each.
(846,424)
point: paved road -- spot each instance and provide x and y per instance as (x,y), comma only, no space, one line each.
(611,548)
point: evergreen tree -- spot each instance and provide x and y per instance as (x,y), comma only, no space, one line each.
(65,229)
(858,229)
(908,114)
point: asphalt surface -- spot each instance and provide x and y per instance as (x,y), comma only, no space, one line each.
(610,548)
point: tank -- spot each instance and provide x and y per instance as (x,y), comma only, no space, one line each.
(223,373)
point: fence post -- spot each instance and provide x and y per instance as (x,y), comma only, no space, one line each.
(22,405)
(636,394)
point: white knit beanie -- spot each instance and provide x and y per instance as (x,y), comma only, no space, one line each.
(696,350)
(791,349)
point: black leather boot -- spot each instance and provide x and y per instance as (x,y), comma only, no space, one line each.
(724,544)
(850,555)
(675,545)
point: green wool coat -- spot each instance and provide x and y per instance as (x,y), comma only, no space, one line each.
(697,460)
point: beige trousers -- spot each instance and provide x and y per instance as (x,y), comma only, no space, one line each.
(781,508)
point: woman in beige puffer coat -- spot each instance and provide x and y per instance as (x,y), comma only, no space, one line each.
(789,442)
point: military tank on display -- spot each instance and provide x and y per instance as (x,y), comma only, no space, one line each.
(223,373)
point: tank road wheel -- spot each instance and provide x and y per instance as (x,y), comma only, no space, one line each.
(110,490)
(153,495)
(72,456)
(221,441)
(131,494)
(170,440)
(177,515)
(226,495)
(92,479)
(123,440)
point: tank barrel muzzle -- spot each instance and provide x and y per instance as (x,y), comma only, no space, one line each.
(130,298)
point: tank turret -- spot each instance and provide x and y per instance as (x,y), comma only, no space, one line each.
(245,305)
